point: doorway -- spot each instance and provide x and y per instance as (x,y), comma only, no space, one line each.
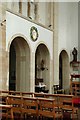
(60,72)
(42,67)
(12,68)
(19,65)
(63,70)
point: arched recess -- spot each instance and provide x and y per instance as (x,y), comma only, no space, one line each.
(63,70)
(42,66)
(19,65)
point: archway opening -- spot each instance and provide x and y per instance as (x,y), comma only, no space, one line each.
(12,68)
(60,72)
(64,70)
(19,65)
(42,68)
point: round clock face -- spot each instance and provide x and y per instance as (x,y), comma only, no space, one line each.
(34,33)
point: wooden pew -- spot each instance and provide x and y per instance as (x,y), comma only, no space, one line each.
(17,93)
(30,106)
(27,94)
(42,95)
(16,102)
(3,99)
(54,96)
(47,108)
(59,100)
(23,106)
(66,104)
(6,112)
(4,92)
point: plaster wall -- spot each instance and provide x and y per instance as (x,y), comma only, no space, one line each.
(67,27)
(67,32)
(18,26)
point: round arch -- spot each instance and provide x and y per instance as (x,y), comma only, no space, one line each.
(63,70)
(42,67)
(19,63)
(41,42)
(15,36)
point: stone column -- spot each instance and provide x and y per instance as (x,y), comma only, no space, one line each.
(32,72)
(51,77)
(3,58)
(55,45)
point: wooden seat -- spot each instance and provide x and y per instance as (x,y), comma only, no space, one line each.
(53,96)
(3,99)
(30,106)
(16,102)
(47,108)
(6,111)
(66,104)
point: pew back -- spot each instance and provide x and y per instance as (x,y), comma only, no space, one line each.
(47,108)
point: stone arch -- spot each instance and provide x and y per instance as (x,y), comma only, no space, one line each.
(13,37)
(22,69)
(63,70)
(42,66)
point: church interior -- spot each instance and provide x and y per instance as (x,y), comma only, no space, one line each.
(39,60)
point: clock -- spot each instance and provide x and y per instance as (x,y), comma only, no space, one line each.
(34,33)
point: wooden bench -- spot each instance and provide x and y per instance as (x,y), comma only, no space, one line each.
(3,99)
(47,108)
(23,106)
(54,96)
(17,93)
(27,94)
(30,106)
(16,102)
(39,95)
(62,101)
(66,104)
(4,92)
(6,111)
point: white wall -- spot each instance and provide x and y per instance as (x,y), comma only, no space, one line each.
(17,25)
(67,26)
